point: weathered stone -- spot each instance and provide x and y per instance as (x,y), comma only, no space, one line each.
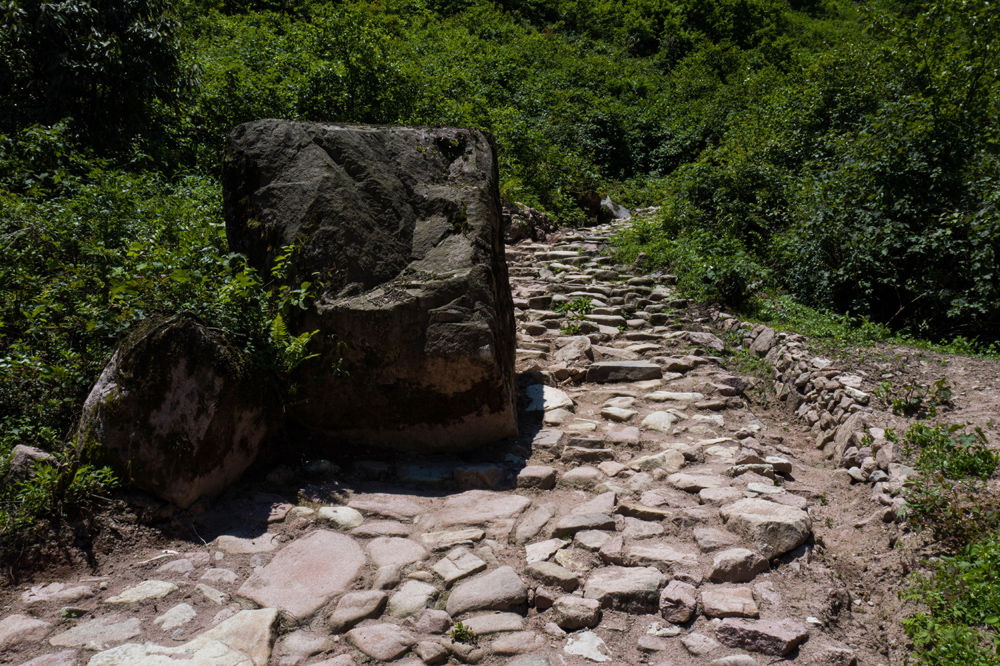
(354,607)
(641,529)
(709,539)
(542,550)
(383,642)
(678,602)
(543,398)
(243,639)
(492,623)
(542,477)
(670,460)
(386,504)
(532,523)
(774,637)
(575,522)
(517,642)
(149,589)
(736,565)
(306,574)
(177,616)
(215,596)
(500,590)
(299,646)
(235,545)
(660,421)
(433,621)
(663,555)
(341,517)
(62,658)
(218,576)
(699,644)
(553,575)
(631,589)
(728,601)
(65,593)
(588,645)
(412,597)
(21,463)
(387,551)
(585,477)
(577,349)
(572,613)
(403,225)
(446,539)
(475,507)
(771,528)
(96,634)
(178,380)
(591,539)
(622,371)
(16,629)
(457,564)
(429,652)
(694,483)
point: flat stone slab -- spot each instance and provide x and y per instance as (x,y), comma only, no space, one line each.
(354,607)
(389,551)
(630,589)
(542,398)
(771,528)
(98,633)
(16,629)
(500,590)
(493,623)
(774,637)
(243,640)
(383,642)
(148,589)
(588,645)
(177,616)
(235,545)
(387,504)
(476,507)
(662,555)
(457,564)
(728,601)
(622,371)
(65,593)
(306,574)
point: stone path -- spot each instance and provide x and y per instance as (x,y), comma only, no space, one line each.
(645,515)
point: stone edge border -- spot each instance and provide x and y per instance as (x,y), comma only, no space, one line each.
(848,427)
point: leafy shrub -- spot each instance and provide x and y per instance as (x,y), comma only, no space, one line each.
(962,616)
(914,399)
(949,449)
(105,63)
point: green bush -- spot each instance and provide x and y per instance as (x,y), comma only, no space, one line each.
(962,617)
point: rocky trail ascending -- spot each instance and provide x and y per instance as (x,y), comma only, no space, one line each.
(649,512)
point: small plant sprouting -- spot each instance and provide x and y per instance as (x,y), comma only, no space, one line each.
(461,634)
(581,306)
(575,311)
(915,400)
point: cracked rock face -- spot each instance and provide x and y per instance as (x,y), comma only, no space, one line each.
(400,229)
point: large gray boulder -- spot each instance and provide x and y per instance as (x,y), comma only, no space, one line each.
(401,228)
(179,411)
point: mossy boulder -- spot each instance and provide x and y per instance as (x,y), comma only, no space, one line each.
(179,411)
(401,228)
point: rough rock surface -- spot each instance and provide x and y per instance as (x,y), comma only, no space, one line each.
(403,227)
(179,411)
